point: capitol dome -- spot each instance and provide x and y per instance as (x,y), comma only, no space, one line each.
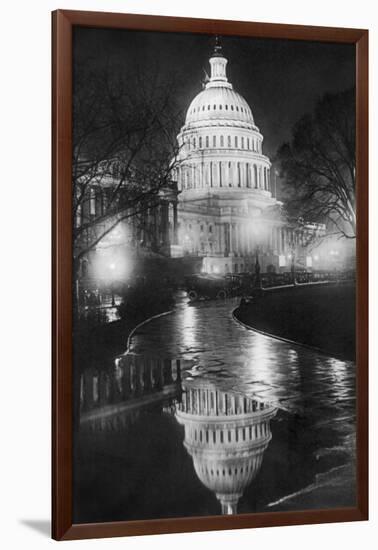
(226,435)
(219,103)
(223,177)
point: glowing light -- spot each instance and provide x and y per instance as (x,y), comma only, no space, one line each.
(282,261)
(316,257)
(112,264)
(189,328)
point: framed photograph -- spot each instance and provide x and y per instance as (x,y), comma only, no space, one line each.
(210,308)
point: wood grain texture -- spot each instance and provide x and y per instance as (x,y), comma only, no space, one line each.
(62,401)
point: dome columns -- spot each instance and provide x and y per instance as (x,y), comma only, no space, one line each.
(224,173)
(226,435)
(218,69)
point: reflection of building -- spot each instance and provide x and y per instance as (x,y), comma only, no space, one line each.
(113,398)
(226,205)
(226,435)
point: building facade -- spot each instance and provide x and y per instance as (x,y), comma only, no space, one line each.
(226,434)
(227,212)
(145,230)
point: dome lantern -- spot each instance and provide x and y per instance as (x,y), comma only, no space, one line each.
(218,65)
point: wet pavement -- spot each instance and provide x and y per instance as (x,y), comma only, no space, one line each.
(214,346)
(153,461)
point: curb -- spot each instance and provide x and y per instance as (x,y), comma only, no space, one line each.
(141,324)
(288,341)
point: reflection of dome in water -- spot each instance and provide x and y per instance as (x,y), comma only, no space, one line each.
(226,434)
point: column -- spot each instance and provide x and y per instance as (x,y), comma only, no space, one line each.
(175,223)
(164,223)
(242,239)
(231,247)
(220,238)
(235,179)
(237,239)
(233,402)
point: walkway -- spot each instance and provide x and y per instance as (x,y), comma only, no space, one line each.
(211,344)
(315,394)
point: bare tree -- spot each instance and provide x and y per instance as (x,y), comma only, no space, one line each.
(124,140)
(318,165)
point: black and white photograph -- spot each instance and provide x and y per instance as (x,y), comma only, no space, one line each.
(214,272)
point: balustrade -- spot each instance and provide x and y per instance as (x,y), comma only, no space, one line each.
(132,377)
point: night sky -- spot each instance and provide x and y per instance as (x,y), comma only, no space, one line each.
(280,79)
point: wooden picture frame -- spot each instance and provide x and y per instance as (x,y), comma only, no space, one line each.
(62,399)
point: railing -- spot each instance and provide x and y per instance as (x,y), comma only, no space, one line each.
(279,279)
(135,381)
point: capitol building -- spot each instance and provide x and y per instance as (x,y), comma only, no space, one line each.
(226,434)
(226,208)
(219,209)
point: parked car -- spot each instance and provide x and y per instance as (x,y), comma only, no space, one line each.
(211,287)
